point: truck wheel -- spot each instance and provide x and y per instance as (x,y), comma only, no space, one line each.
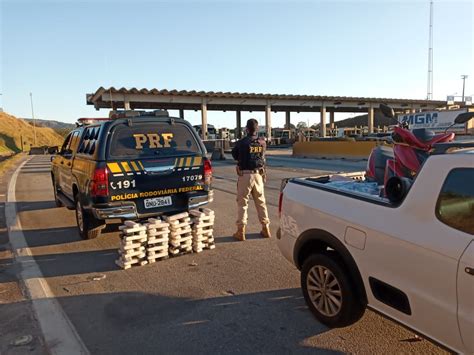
(55,190)
(89,226)
(329,292)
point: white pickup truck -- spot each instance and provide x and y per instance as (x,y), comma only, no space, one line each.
(412,261)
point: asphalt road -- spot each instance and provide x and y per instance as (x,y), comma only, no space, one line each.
(241,297)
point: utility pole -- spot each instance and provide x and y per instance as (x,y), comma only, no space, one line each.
(33,116)
(429,95)
(463,77)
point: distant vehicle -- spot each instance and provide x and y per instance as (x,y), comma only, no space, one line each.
(306,133)
(284,136)
(409,257)
(211,131)
(135,165)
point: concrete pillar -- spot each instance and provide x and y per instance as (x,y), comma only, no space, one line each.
(181,113)
(322,128)
(287,120)
(238,124)
(204,120)
(268,121)
(331,119)
(126,104)
(370,124)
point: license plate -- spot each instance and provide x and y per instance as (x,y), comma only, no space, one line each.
(157,202)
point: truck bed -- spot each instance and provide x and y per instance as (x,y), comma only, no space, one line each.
(350,184)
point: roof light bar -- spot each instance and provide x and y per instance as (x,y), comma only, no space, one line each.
(91,120)
(136,113)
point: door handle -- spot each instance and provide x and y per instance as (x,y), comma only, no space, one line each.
(469,270)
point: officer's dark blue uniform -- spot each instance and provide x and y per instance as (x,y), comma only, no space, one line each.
(250,155)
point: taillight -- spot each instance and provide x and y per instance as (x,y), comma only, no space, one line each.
(100,182)
(207,172)
(280,204)
(280,198)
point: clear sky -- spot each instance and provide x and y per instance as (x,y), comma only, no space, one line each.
(61,50)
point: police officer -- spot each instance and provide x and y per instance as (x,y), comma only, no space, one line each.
(250,155)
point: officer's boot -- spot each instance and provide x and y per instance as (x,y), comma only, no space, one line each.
(240,234)
(265,233)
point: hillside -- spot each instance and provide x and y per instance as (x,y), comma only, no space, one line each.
(379,120)
(52,124)
(12,130)
(61,128)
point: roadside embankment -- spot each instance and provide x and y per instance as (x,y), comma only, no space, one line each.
(17,135)
(7,162)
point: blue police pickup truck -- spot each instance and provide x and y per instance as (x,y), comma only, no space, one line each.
(132,165)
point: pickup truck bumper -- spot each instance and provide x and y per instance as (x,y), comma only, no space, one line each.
(128,209)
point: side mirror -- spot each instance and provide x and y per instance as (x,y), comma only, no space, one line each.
(463,117)
(387,110)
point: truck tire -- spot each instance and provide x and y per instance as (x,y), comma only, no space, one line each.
(55,191)
(89,227)
(329,291)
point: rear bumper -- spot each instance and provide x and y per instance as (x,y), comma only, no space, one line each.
(200,200)
(124,211)
(128,209)
(286,244)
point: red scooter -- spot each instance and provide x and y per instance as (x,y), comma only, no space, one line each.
(410,149)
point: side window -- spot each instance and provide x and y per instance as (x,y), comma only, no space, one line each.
(89,140)
(66,142)
(455,206)
(74,141)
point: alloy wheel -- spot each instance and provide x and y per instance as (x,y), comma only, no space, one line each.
(324,290)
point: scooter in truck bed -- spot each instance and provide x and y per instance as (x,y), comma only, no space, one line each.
(410,150)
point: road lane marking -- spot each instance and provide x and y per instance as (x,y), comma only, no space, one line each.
(59,334)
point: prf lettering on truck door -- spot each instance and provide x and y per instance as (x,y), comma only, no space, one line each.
(153,140)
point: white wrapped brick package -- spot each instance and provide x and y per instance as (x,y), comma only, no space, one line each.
(202,229)
(158,232)
(133,239)
(180,238)
(158,238)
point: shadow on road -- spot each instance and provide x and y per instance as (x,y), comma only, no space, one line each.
(135,322)
(52,265)
(57,265)
(231,239)
(34,205)
(51,236)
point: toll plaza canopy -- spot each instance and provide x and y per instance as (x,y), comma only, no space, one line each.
(133,98)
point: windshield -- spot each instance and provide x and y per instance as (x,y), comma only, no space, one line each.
(152,139)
